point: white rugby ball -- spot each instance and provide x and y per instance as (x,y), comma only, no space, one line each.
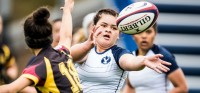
(137,17)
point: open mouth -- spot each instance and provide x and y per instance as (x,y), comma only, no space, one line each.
(144,43)
(106,37)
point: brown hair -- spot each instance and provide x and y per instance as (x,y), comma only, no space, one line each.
(155,27)
(104,11)
(37,29)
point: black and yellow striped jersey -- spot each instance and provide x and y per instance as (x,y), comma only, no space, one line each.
(6,61)
(52,71)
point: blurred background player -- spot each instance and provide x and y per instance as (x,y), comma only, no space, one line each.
(8,67)
(149,80)
(56,24)
(82,33)
(88,24)
(78,36)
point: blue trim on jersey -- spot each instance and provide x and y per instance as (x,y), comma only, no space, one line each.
(119,81)
(95,48)
(169,57)
(118,52)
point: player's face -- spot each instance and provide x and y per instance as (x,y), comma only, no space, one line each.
(145,39)
(56,33)
(1,24)
(109,31)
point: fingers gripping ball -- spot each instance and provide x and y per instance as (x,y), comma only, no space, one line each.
(137,17)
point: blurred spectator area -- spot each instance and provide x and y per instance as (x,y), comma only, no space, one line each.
(13,12)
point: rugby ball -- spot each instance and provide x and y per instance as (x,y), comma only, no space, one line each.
(137,17)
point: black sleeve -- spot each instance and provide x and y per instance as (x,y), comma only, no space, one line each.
(118,52)
(169,57)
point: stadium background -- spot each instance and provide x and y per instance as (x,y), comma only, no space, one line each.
(178,24)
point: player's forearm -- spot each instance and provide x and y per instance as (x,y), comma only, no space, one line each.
(7,89)
(66,28)
(131,63)
(179,90)
(79,51)
(29,89)
(138,63)
(179,82)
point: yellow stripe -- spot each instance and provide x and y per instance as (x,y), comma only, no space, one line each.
(2,59)
(31,77)
(5,55)
(6,51)
(11,62)
(50,83)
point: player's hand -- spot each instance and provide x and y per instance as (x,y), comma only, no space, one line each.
(69,4)
(94,33)
(155,63)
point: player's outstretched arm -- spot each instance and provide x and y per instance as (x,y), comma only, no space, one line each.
(66,26)
(16,86)
(132,63)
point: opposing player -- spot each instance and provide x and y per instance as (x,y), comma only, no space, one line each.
(149,80)
(106,64)
(52,69)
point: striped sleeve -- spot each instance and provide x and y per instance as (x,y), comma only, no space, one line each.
(30,73)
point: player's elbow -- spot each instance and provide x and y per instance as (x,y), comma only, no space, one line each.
(184,89)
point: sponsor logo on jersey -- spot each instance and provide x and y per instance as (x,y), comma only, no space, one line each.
(105,60)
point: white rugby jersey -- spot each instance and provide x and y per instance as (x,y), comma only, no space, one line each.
(148,80)
(101,72)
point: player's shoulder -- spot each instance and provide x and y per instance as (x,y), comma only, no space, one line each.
(116,47)
(119,51)
(35,60)
(158,49)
